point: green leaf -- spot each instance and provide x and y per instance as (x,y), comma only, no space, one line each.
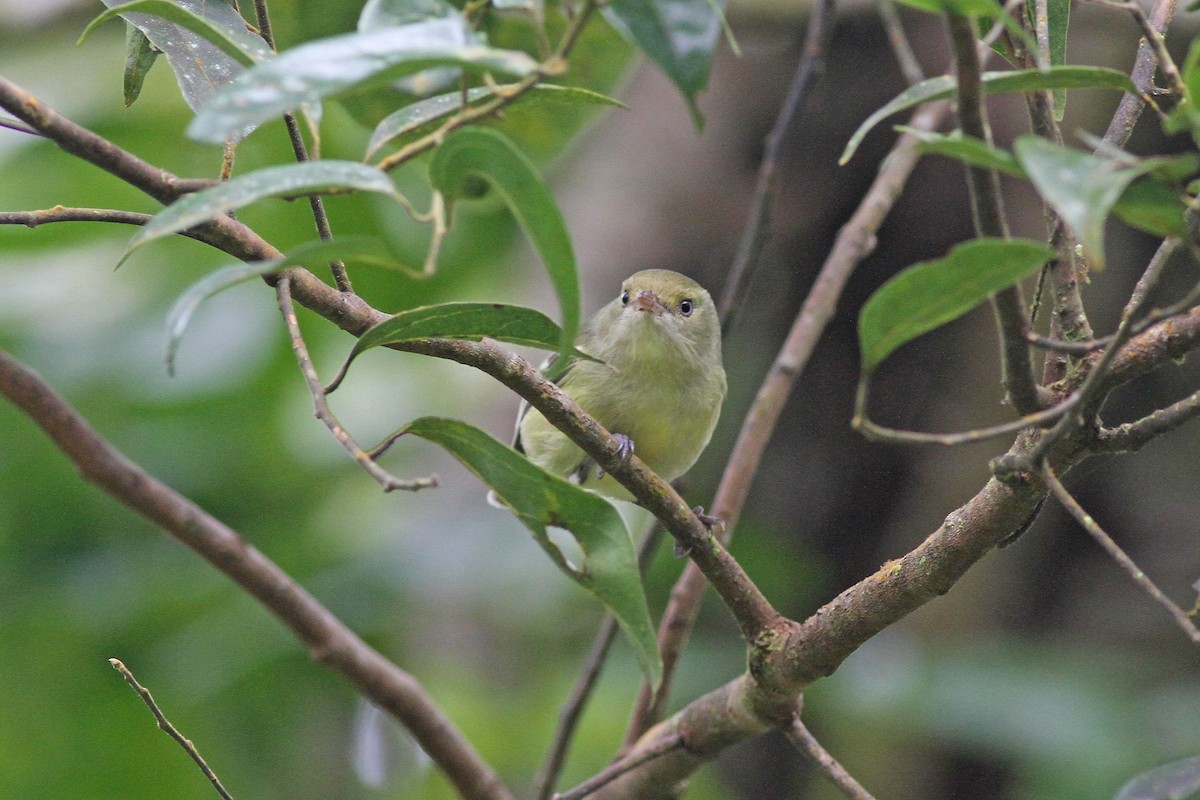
(1175,781)
(1152,207)
(488,154)
(967,8)
(471,321)
(965,148)
(541,500)
(677,35)
(379,14)
(1059,16)
(932,293)
(944,86)
(289,180)
(207,43)
(312,255)
(140,56)
(342,64)
(1081,187)
(181,16)
(416,120)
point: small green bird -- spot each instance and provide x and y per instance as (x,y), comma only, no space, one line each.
(658,384)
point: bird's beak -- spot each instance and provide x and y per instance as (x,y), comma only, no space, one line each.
(647,300)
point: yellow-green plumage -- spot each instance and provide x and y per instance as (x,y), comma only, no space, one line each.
(659,380)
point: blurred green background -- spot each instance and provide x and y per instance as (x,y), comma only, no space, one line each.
(1044,674)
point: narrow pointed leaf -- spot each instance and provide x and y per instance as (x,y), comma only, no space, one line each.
(983,8)
(418,119)
(967,149)
(361,249)
(944,86)
(541,500)
(1152,207)
(288,180)
(140,56)
(677,35)
(488,154)
(1058,18)
(932,293)
(1175,781)
(471,321)
(342,64)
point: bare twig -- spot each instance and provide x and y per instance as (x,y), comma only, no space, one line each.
(803,740)
(166,727)
(620,767)
(572,709)
(901,48)
(1132,435)
(988,212)
(880,433)
(340,277)
(854,242)
(321,404)
(1129,110)
(757,230)
(17,125)
(1118,555)
(328,640)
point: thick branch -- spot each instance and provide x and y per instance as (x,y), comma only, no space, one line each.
(328,640)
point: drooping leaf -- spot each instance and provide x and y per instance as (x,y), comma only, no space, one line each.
(362,249)
(471,321)
(540,501)
(944,86)
(967,149)
(677,35)
(485,153)
(1081,187)
(414,121)
(347,63)
(1178,780)
(206,43)
(932,293)
(140,56)
(287,180)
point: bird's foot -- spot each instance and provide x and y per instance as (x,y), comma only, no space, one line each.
(624,451)
(709,521)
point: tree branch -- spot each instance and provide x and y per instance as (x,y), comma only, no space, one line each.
(328,640)
(803,740)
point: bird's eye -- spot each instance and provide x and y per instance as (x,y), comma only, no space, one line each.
(685,307)
(625,297)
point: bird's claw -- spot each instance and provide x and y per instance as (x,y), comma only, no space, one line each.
(709,522)
(624,451)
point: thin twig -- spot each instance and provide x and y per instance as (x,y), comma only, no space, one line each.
(321,403)
(880,433)
(340,277)
(1129,110)
(854,242)
(1060,346)
(901,47)
(572,709)
(1154,38)
(1131,436)
(620,767)
(758,223)
(987,209)
(18,125)
(327,638)
(1117,554)
(166,727)
(803,740)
